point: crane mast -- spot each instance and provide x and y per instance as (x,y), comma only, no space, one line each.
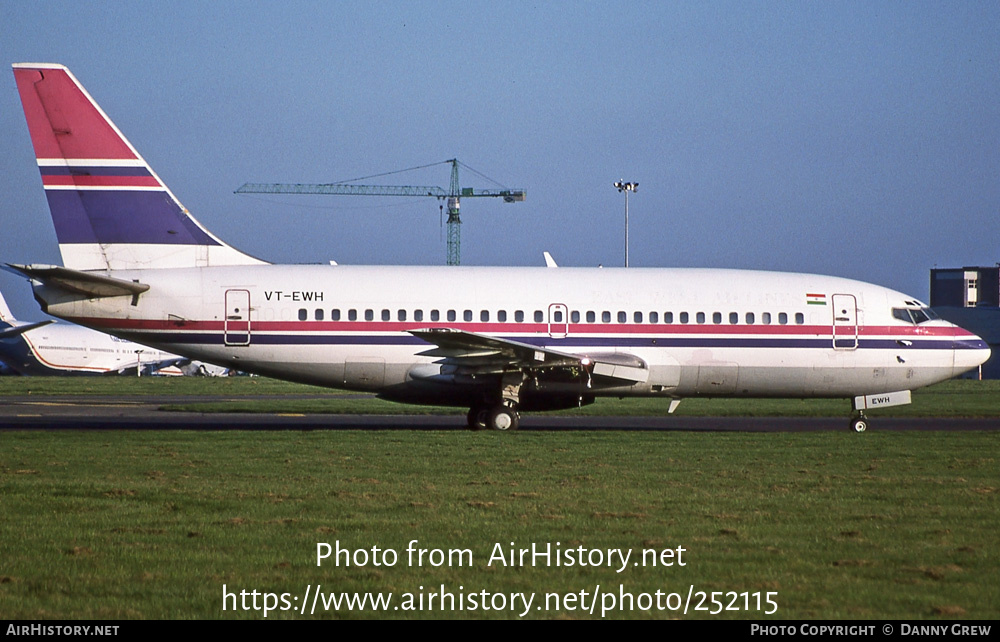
(452,197)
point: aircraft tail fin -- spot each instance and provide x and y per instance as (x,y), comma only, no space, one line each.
(5,314)
(10,327)
(110,210)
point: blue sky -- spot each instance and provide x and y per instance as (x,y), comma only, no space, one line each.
(859,139)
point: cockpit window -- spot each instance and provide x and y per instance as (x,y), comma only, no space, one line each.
(915,316)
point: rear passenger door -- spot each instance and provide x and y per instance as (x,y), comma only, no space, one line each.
(236,330)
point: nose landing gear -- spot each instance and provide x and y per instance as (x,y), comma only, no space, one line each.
(860,422)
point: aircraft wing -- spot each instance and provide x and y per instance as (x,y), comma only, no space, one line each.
(482,354)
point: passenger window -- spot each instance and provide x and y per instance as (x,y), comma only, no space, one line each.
(605,317)
(303,314)
(539,317)
(519,316)
(467,315)
(335,314)
(319,314)
(484,315)
(591,316)
(435,315)
(637,317)
(716,317)
(684,317)
(386,315)
(734,318)
(750,318)
(557,316)
(574,316)
(654,317)
(418,315)
(502,316)
(700,317)
(765,318)
(800,318)
(668,317)
(352,315)
(401,315)
(452,315)
(782,318)
(622,317)
(369,315)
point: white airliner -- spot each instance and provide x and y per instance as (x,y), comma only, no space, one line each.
(50,348)
(495,340)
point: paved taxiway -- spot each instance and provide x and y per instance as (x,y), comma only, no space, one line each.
(141,413)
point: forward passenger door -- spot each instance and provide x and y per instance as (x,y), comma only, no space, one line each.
(845,322)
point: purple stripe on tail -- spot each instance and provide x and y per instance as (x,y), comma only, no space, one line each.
(98,216)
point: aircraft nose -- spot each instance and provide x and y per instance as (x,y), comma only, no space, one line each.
(970,352)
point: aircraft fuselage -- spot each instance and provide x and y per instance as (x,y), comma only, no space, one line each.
(697,331)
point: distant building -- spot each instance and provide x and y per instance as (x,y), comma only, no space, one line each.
(970,297)
(967,287)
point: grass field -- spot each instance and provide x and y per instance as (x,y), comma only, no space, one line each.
(150,524)
(835,525)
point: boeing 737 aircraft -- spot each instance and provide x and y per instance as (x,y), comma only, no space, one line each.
(50,348)
(498,341)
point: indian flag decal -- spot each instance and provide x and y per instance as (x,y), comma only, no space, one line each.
(816,299)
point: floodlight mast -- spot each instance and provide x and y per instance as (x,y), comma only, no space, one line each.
(626,187)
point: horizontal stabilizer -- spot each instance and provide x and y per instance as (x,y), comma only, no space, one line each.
(93,285)
(16,330)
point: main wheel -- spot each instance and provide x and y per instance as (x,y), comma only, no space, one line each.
(859,424)
(502,418)
(477,418)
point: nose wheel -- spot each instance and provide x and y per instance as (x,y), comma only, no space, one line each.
(859,423)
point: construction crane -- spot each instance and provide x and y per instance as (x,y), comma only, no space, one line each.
(452,196)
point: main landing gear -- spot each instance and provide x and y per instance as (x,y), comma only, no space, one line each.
(499,414)
(495,417)
(859,423)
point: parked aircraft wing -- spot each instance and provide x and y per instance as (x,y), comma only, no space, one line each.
(16,330)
